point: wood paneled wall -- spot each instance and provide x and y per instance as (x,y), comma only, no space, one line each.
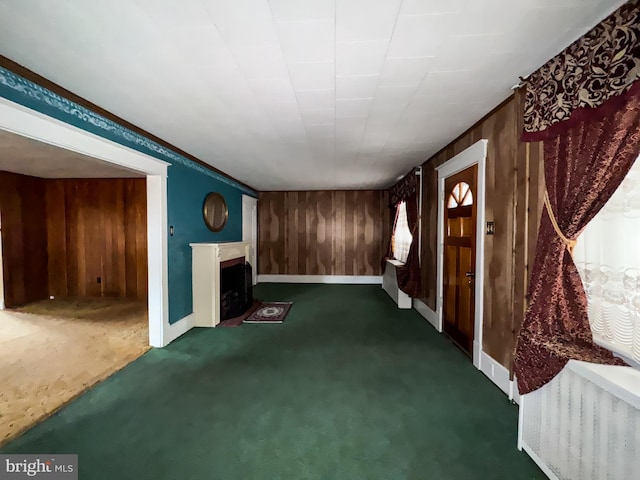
(97,228)
(514,183)
(24,238)
(322,232)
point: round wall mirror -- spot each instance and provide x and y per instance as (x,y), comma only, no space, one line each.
(215,211)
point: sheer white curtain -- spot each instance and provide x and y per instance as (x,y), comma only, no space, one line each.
(402,235)
(608,258)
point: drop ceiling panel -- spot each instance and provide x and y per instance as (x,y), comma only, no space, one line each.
(313,75)
(356,86)
(360,58)
(286,94)
(360,20)
(308,41)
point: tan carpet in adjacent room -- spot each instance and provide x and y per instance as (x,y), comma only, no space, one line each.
(52,351)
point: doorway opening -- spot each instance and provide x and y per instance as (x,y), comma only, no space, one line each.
(461,200)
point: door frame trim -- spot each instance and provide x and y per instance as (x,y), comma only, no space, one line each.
(250,231)
(28,123)
(476,154)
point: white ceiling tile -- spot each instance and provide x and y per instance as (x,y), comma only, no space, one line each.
(321,131)
(495,16)
(353,107)
(396,96)
(420,35)
(404,71)
(313,76)
(288,11)
(274,90)
(358,20)
(316,99)
(472,51)
(356,86)
(448,83)
(308,41)
(360,58)
(169,13)
(421,7)
(319,117)
(205,44)
(264,61)
(243,22)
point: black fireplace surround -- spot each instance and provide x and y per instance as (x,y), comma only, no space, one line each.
(236,290)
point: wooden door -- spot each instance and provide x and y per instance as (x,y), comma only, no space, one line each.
(460,257)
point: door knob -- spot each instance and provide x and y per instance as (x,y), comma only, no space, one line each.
(470,274)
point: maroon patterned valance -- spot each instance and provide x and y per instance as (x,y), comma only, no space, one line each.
(404,189)
(601,65)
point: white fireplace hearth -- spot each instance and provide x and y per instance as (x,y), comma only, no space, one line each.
(206,261)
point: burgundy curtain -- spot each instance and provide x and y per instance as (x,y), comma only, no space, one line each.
(584,164)
(388,252)
(409,274)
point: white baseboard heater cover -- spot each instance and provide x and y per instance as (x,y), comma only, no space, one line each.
(390,285)
(585,423)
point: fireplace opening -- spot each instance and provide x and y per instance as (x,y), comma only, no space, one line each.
(236,289)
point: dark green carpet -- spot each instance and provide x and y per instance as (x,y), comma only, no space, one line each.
(349,387)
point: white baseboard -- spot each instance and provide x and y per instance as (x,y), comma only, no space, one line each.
(346,279)
(182,326)
(498,374)
(515,394)
(424,310)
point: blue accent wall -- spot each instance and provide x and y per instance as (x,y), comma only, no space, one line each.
(187,182)
(186,192)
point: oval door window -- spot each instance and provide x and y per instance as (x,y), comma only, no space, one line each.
(215,211)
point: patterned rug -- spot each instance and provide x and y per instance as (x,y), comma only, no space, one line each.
(270,312)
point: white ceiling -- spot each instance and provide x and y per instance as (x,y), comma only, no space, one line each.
(23,155)
(293,94)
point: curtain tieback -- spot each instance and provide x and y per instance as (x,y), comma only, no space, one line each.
(569,243)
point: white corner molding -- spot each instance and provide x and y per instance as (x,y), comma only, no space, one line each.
(426,312)
(475,154)
(340,279)
(182,326)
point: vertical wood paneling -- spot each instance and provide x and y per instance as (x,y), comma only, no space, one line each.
(97,228)
(513,179)
(24,238)
(56,239)
(326,233)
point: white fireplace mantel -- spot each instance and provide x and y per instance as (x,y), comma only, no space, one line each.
(206,260)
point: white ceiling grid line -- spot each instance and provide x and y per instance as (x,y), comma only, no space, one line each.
(292,94)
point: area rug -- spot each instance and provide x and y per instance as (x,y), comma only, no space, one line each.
(269,312)
(237,321)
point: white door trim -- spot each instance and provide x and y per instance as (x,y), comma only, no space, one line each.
(475,154)
(1,269)
(29,123)
(250,231)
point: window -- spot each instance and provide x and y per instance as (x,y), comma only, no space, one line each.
(608,258)
(461,196)
(401,234)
